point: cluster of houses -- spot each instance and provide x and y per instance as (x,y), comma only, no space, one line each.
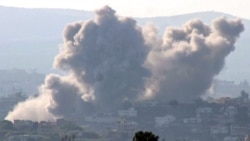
(26,130)
(223,119)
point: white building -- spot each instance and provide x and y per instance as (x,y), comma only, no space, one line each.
(204,112)
(25,138)
(231,111)
(237,130)
(131,112)
(229,138)
(127,127)
(164,121)
(192,120)
(219,129)
(101,119)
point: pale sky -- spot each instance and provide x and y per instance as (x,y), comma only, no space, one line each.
(143,8)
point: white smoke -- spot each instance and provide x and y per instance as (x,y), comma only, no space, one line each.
(109,60)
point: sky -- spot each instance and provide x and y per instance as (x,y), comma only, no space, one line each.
(143,8)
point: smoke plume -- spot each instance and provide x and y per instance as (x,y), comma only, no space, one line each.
(186,60)
(109,60)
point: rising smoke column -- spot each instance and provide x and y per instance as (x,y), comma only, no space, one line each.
(109,60)
(106,54)
(104,60)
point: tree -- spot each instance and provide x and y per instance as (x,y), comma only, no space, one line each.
(174,103)
(145,136)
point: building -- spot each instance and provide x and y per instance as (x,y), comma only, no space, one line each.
(101,119)
(219,129)
(237,130)
(23,124)
(26,138)
(126,127)
(131,112)
(164,121)
(204,113)
(229,138)
(47,127)
(230,113)
(192,120)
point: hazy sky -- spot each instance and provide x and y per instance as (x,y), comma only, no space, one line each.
(143,8)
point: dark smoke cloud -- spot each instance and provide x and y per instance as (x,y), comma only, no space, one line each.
(111,60)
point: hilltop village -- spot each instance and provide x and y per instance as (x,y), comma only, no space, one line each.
(217,119)
(223,119)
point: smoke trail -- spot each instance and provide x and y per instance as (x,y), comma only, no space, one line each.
(109,60)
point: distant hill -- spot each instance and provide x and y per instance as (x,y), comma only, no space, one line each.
(32,37)
(20,24)
(179,20)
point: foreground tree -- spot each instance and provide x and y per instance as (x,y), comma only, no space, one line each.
(145,136)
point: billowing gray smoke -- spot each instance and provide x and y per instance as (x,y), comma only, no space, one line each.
(109,60)
(185,61)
